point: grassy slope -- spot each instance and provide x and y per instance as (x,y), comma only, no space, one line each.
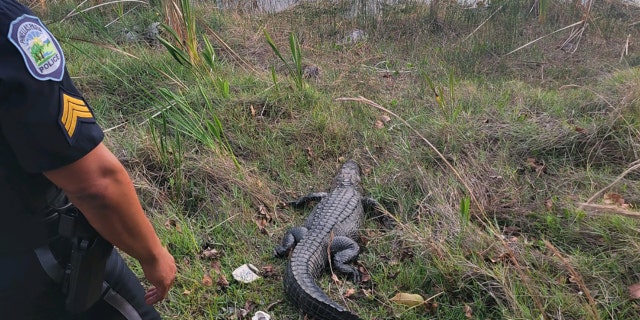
(531,134)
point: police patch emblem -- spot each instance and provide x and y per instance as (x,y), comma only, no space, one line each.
(40,50)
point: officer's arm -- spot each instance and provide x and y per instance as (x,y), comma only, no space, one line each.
(101,188)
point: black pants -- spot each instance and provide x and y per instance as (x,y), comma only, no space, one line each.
(28,293)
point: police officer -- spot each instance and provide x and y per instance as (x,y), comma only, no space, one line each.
(49,141)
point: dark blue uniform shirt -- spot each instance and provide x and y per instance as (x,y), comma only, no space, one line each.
(44,121)
(44,124)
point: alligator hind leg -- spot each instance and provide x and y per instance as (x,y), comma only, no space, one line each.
(345,250)
(289,240)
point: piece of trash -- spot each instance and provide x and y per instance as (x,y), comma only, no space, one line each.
(261,315)
(246,273)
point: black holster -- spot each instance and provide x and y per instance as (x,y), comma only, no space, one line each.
(84,274)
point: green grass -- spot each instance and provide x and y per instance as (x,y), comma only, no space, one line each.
(218,141)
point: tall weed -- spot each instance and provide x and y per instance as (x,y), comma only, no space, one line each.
(295,67)
(201,124)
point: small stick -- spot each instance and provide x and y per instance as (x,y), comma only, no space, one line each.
(578,279)
(635,165)
(599,208)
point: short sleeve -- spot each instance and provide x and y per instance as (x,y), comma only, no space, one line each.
(44,119)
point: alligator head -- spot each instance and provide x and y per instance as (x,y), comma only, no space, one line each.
(348,176)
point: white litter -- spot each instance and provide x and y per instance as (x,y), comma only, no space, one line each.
(246,273)
(261,315)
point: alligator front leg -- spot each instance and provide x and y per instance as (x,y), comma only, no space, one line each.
(372,205)
(289,240)
(345,250)
(315,196)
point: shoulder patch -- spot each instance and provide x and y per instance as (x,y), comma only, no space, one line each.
(73,110)
(40,50)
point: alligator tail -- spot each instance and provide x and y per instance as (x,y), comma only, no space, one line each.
(306,294)
(303,291)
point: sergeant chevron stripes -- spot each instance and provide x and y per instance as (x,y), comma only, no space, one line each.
(73,109)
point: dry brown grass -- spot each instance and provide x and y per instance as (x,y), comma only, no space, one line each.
(526,151)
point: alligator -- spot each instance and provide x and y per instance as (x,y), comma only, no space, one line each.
(330,230)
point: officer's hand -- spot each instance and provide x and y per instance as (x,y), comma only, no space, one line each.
(160,272)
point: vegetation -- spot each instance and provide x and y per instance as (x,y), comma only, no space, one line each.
(504,140)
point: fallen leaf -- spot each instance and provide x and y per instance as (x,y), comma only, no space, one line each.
(581,130)
(385,118)
(614,198)
(309,152)
(379,124)
(364,274)
(394,275)
(207,281)
(408,299)
(350,292)
(253,111)
(365,240)
(511,230)
(215,265)
(172,224)
(549,204)
(406,254)
(335,279)
(431,306)
(572,279)
(536,165)
(501,258)
(222,281)
(263,211)
(262,225)
(268,271)
(468,312)
(241,313)
(185,262)
(186,292)
(211,253)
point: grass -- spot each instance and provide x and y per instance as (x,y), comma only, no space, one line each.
(482,157)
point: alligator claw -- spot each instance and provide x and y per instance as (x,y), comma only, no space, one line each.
(280,252)
(295,204)
(356,276)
